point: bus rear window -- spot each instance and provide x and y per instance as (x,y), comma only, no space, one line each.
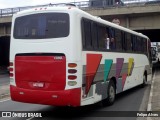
(41,26)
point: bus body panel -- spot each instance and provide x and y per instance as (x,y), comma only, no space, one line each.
(93,78)
(43,76)
(56,98)
(41,72)
(99,87)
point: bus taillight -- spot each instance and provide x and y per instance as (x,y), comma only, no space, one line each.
(72,65)
(72,77)
(11,69)
(72,71)
(11,64)
(11,74)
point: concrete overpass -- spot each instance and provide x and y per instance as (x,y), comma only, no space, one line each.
(142,18)
(5,25)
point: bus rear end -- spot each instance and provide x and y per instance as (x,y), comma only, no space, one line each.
(41,49)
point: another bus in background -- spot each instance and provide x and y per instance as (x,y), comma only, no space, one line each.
(155,54)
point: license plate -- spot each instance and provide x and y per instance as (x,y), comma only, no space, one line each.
(37,84)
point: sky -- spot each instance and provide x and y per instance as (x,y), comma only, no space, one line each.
(23,3)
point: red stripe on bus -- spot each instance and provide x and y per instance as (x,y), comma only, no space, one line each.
(93,62)
(57,98)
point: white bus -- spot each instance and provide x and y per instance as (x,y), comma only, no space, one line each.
(155,54)
(63,56)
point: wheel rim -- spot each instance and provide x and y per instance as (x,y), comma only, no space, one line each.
(111,93)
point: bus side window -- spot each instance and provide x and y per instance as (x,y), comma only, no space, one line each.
(112,44)
(145,45)
(132,41)
(101,36)
(118,40)
(83,33)
(87,39)
(138,44)
(134,46)
(124,46)
(106,40)
(129,43)
(112,32)
(94,35)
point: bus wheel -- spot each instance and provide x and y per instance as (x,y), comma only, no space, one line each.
(144,80)
(111,92)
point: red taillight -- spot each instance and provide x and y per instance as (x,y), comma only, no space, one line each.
(11,69)
(72,71)
(11,74)
(72,77)
(11,64)
(72,65)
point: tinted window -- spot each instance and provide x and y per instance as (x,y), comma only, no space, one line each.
(118,40)
(94,35)
(43,25)
(87,30)
(124,42)
(128,41)
(100,37)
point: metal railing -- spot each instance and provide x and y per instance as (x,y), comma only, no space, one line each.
(82,5)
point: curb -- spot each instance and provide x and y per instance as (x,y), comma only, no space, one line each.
(149,108)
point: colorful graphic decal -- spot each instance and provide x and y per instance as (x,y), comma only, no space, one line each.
(120,76)
(93,62)
(107,68)
(120,70)
(119,65)
(124,76)
(130,64)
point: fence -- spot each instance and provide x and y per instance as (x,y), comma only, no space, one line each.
(82,5)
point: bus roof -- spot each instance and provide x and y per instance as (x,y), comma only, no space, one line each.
(84,14)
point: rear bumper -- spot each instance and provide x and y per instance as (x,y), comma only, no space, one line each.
(56,98)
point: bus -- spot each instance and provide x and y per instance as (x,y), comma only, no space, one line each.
(63,56)
(155,54)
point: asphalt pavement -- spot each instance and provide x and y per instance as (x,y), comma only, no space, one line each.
(4,86)
(154,97)
(136,99)
(132,100)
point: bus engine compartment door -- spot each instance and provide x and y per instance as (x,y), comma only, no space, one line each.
(40,71)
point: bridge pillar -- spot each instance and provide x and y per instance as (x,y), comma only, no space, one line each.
(5,29)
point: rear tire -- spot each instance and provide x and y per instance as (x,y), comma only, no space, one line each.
(144,80)
(111,92)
